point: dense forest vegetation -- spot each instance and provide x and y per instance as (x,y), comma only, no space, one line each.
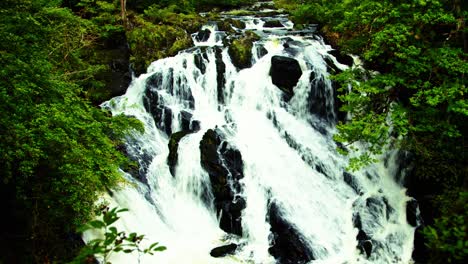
(411,95)
(59,151)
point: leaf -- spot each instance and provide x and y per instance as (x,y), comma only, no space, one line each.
(97,224)
(161,248)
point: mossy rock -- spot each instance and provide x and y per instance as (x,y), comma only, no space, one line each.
(227,24)
(240,50)
(273,24)
(173,150)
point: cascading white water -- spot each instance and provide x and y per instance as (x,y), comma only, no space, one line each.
(288,156)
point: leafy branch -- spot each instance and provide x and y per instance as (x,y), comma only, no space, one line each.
(113,240)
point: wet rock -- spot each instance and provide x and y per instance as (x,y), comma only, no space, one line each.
(155,80)
(167,120)
(173,145)
(195,125)
(331,65)
(352,182)
(412,213)
(199,62)
(285,73)
(342,58)
(203,35)
(220,77)
(272,24)
(185,119)
(225,168)
(320,98)
(261,51)
(364,242)
(288,245)
(365,246)
(151,103)
(223,250)
(140,160)
(240,50)
(227,24)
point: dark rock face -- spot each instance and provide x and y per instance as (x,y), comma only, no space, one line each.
(272,23)
(288,244)
(116,54)
(225,168)
(223,250)
(167,120)
(364,241)
(285,73)
(185,118)
(141,158)
(203,35)
(173,145)
(261,51)
(342,58)
(374,207)
(421,252)
(199,61)
(319,102)
(412,213)
(155,105)
(220,71)
(352,182)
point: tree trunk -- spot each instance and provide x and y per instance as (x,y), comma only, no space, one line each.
(123,11)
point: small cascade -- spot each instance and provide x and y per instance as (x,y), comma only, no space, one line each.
(244,158)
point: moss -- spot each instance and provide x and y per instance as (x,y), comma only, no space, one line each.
(241,50)
(180,44)
(158,34)
(227,24)
(240,12)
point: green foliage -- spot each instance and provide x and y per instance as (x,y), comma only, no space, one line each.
(416,101)
(113,240)
(150,41)
(58,152)
(447,239)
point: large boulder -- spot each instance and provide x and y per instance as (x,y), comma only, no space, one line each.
(272,23)
(240,50)
(285,73)
(225,168)
(203,35)
(223,250)
(288,245)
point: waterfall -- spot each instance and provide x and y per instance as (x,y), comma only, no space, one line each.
(250,163)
